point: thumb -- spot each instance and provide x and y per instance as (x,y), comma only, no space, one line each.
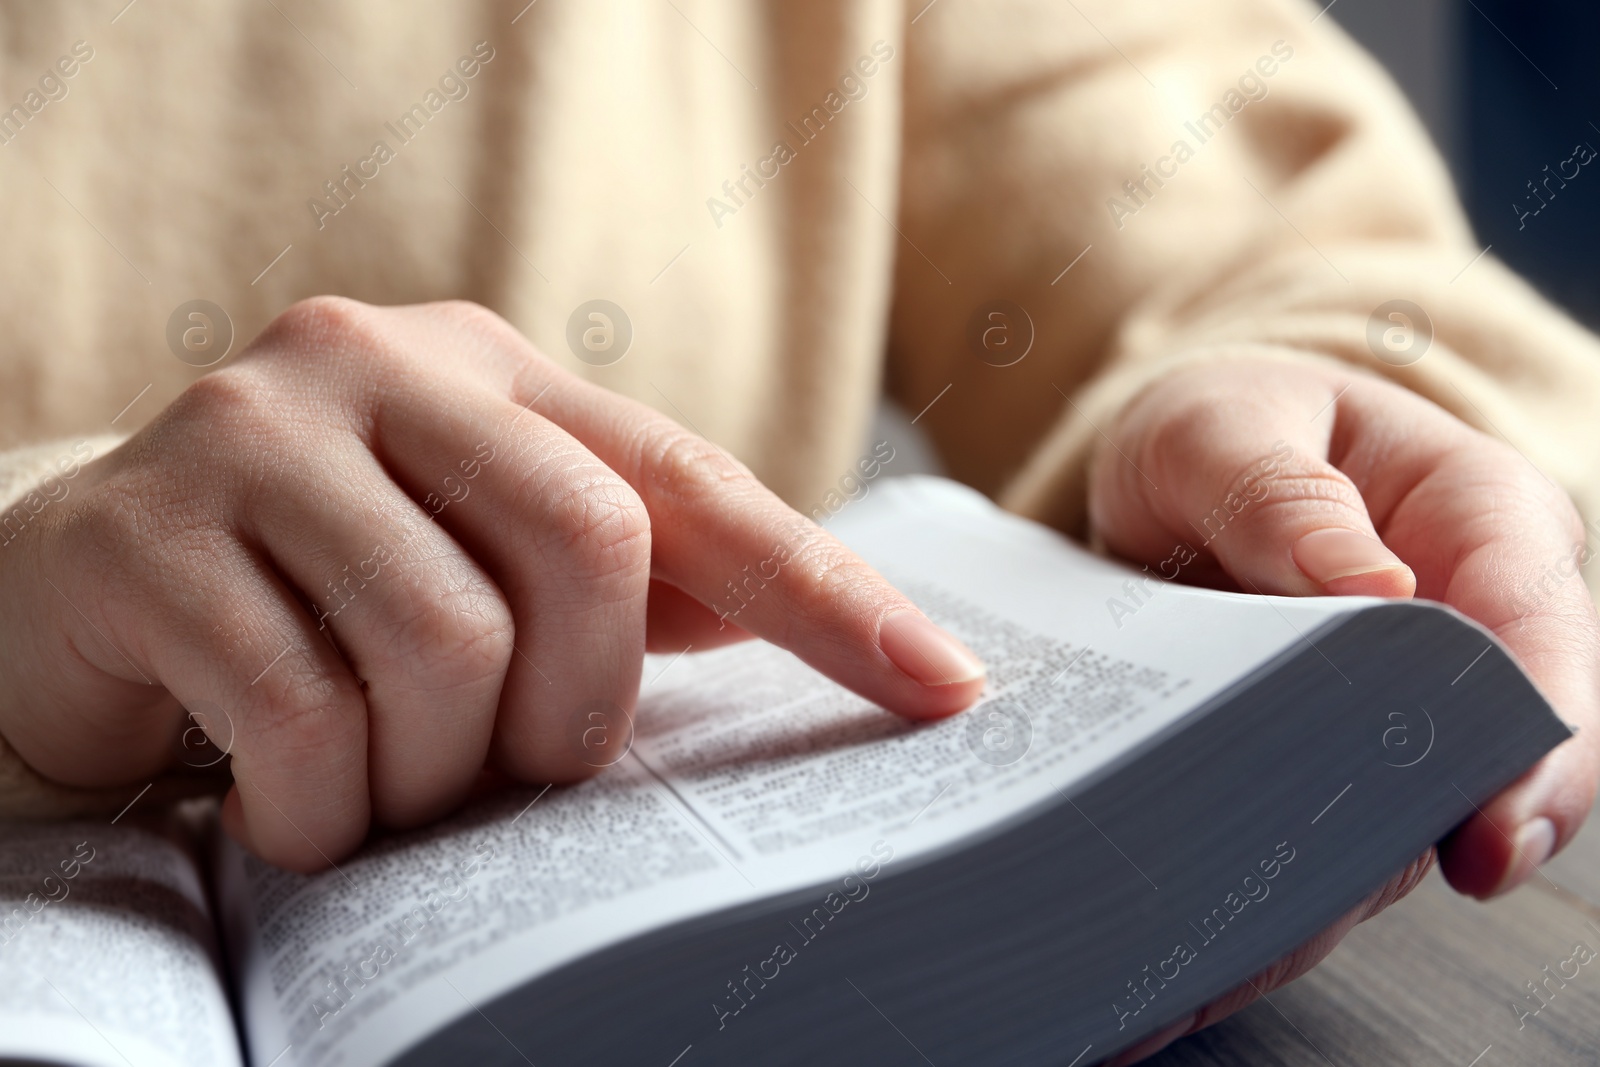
(1234,472)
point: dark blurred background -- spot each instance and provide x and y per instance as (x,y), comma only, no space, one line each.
(1508,87)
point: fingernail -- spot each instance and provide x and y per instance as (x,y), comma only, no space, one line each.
(1534,843)
(926,653)
(1334,555)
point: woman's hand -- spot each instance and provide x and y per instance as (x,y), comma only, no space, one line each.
(1383,494)
(385,545)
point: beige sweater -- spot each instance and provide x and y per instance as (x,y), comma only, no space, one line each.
(797,205)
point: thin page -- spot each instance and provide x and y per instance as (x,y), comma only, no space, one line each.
(107,951)
(751,775)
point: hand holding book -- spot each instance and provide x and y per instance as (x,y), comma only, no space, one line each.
(1280,477)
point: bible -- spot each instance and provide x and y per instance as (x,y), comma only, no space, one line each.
(1163,790)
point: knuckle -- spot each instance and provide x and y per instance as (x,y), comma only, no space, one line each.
(221,397)
(598,517)
(501,351)
(325,320)
(460,637)
(468,317)
(235,417)
(1514,486)
(826,582)
(328,334)
(305,707)
(1326,488)
(690,467)
(472,315)
(1184,444)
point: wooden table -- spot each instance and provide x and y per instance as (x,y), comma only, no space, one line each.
(1433,981)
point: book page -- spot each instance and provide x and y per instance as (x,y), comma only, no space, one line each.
(107,951)
(751,775)
(352,965)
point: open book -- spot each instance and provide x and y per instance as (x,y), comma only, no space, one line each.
(1164,790)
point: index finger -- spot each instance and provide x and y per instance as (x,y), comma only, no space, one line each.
(725,539)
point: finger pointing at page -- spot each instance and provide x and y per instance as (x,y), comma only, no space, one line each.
(728,541)
(720,536)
